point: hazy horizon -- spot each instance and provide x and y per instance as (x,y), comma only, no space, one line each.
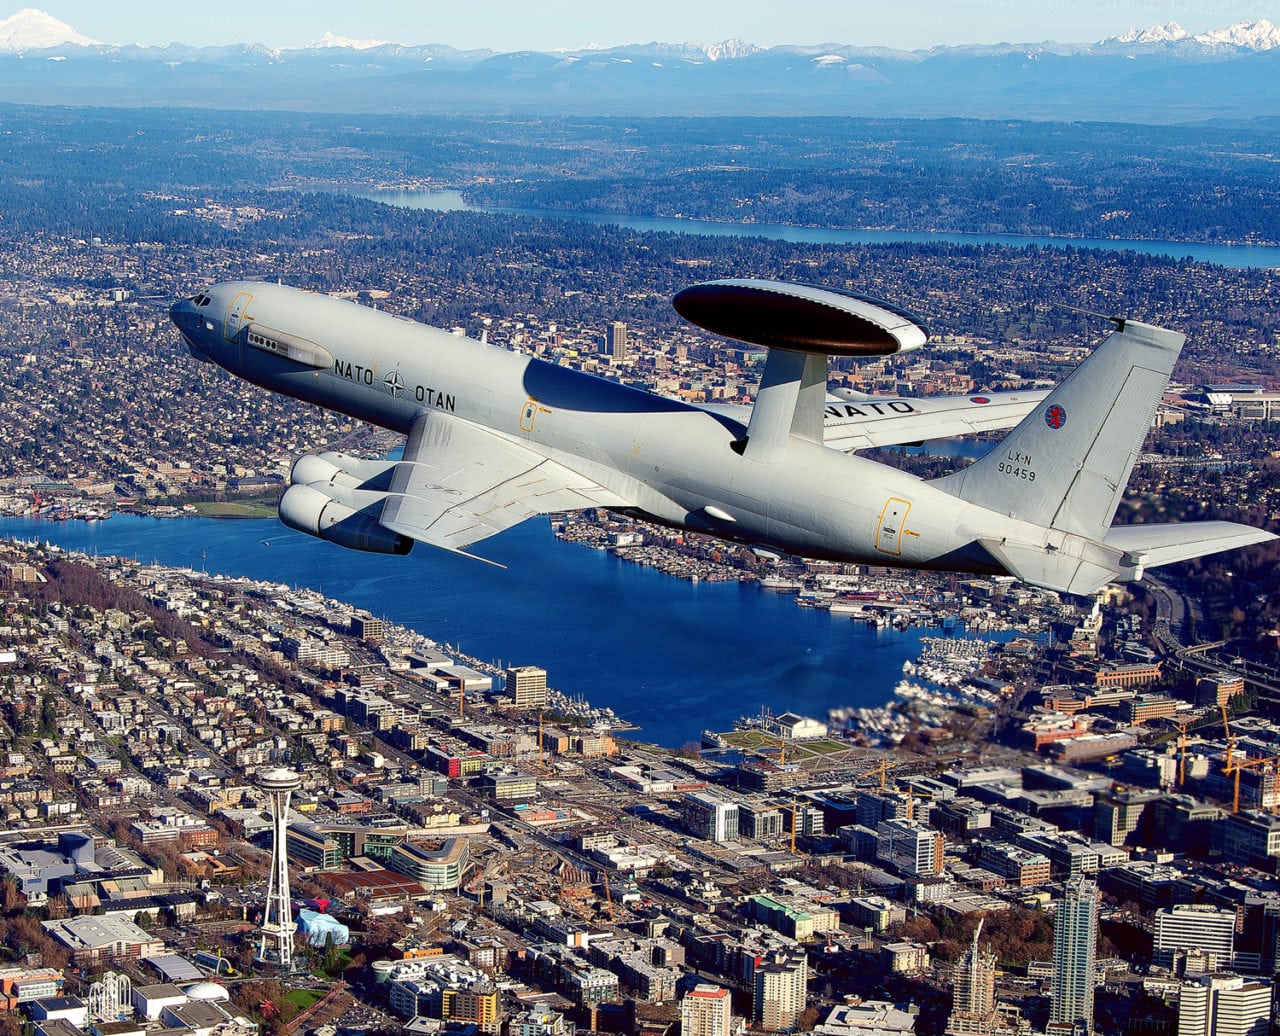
(506,25)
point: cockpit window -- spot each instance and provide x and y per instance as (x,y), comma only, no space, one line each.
(201,300)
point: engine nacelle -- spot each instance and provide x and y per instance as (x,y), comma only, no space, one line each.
(341,469)
(314,512)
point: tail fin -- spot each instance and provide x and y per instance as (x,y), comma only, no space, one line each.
(1066,465)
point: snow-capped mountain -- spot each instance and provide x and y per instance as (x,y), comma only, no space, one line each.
(30,29)
(1259,35)
(1169,32)
(1157,74)
(726,49)
(329,40)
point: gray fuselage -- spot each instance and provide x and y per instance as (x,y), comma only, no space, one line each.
(663,458)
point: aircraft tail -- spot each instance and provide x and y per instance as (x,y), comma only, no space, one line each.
(1066,464)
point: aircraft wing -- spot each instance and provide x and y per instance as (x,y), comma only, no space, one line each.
(459,483)
(862,423)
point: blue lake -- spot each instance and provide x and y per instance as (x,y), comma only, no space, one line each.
(1237,256)
(670,656)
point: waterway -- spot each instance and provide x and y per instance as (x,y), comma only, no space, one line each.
(1236,256)
(670,656)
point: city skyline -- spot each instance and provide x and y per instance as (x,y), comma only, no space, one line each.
(504,25)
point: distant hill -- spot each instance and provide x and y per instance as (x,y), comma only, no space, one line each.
(1156,75)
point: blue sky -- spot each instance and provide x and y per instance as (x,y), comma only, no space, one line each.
(550,24)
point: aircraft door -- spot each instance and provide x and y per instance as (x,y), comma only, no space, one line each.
(236,315)
(889,530)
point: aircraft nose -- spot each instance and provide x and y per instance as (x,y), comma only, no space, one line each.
(186,318)
(184,314)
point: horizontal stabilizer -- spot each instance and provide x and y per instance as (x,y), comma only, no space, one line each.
(1072,564)
(1153,545)
(1077,566)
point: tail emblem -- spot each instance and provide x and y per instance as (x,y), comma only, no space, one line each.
(1055,417)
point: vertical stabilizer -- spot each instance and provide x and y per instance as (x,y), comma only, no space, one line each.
(1066,465)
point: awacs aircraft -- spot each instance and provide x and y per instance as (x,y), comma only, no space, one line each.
(495,437)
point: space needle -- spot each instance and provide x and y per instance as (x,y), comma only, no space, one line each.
(276,945)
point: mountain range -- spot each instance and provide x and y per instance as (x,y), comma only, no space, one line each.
(1160,74)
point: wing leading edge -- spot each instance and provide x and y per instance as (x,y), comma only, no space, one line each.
(459,483)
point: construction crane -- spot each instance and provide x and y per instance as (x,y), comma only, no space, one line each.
(881,768)
(1252,764)
(1183,741)
(1182,753)
(608,894)
(912,795)
(1231,738)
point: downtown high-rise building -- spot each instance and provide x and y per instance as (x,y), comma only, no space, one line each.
(1075,940)
(616,341)
(706,1010)
(973,992)
(780,986)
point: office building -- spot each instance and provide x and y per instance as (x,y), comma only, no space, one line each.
(527,686)
(875,807)
(368,628)
(708,817)
(1224,1005)
(1194,926)
(1252,838)
(1123,815)
(437,867)
(912,848)
(1075,937)
(762,822)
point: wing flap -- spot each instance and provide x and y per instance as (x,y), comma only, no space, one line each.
(459,483)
